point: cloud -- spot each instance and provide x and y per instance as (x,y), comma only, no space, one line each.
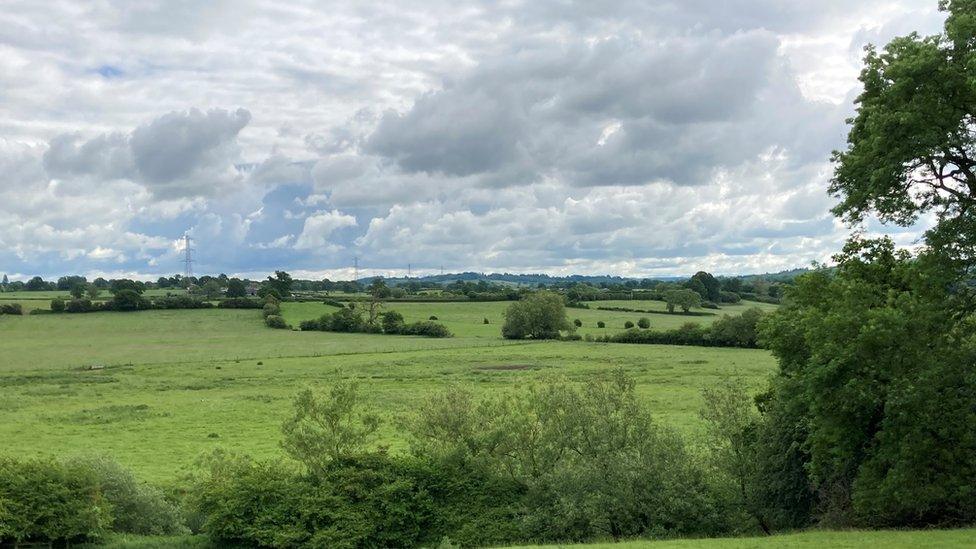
(634,137)
(319,227)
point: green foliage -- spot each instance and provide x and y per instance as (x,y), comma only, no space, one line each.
(392,322)
(57,305)
(540,315)
(326,428)
(126,299)
(875,358)
(427,329)
(137,508)
(593,462)
(628,325)
(278,285)
(601,324)
(236,288)
(706,285)
(275,321)
(43,500)
(239,303)
(271,308)
(643,323)
(684,298)
(11,309)
(577,323)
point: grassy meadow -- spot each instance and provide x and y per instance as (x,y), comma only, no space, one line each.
(155,389)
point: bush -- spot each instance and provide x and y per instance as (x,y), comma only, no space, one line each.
(541,315)
(601,324)
(628,325)
(729,297)
(137,508)
(427,329)
(271,309)
(310,325)
(644,323)
(485,321)
(432,317)
(11,309)
(344,320)
(333,303)
(370,500)
(48,501)
(392,322)
(128,300)
(709,305)
(275,321)
(57,305)
(239,303)
(578,323)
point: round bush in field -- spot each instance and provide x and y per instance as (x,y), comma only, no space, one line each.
(432,317)
(275,321)
(628,325)
(578,323)
(644,323)
(57,305)
(601,324)
(541,315)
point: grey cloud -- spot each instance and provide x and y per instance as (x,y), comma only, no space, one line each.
(180,154)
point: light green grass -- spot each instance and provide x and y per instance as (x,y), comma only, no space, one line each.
(179,383)
(814,539)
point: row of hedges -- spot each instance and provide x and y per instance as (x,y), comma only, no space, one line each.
(127,300)
(353,320)
(728,331)
(653,312)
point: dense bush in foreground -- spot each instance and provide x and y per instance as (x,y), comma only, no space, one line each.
(77,500)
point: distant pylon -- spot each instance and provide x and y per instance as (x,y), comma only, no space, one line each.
(355,269)
(409,270)
(187,258)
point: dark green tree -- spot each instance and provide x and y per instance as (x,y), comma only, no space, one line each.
(236,288)
(540,315)
(281,282)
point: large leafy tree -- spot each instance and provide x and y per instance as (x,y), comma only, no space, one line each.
(912,145)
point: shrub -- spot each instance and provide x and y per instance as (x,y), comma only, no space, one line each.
(601,324)
(57,305)
(427,329)
(333,303)
(11,309)
(432,317)
(275,321)
(344,320)
(309,325)
(80,306)
(128,300)
(628,325)
(709,305)
(239,303)
(644,323)
(737,331)
(392,322)
(271,309)
(44,500)
(578,323)
(137,508)
(485,321)
(729,297)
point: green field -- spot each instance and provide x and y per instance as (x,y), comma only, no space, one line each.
(169,385)
(814,539)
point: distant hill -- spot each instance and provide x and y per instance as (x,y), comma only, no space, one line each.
(535,279)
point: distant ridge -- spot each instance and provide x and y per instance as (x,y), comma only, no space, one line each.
(534,279)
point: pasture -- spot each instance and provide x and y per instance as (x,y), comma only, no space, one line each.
(155,389)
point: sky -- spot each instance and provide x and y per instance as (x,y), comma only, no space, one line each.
(634,138)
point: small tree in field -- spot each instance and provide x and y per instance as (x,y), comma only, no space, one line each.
(328,427)
(540,315)
(684,298)
(643,323)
